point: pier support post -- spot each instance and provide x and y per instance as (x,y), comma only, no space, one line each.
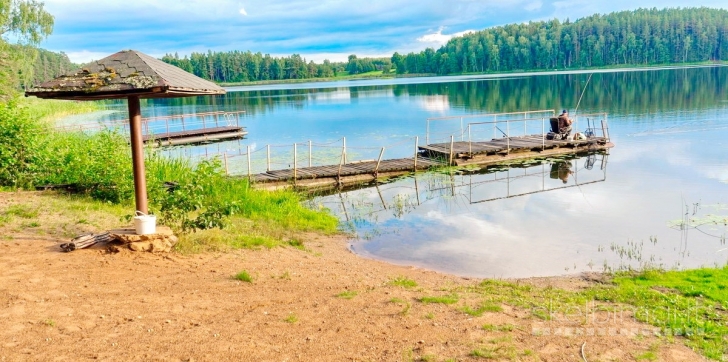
(417,139)
(452,141)
(250,174)
(376,170)
(267,168)
(344,150)
(224,158)
(295,168)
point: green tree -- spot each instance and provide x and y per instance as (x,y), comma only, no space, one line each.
(28,23)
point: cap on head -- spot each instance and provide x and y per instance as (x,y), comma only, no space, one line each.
(565,111)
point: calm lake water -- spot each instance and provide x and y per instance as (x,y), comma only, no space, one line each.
(660,197)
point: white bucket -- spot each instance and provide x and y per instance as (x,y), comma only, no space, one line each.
(145,224)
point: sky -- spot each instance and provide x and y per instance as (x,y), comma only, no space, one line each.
(316,29)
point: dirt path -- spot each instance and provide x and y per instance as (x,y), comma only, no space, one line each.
(95,305)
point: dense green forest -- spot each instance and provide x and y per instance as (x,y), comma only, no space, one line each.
(237,66)
(640,37)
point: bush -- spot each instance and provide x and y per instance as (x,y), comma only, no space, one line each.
(19,138)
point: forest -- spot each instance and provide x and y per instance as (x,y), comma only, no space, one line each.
(639,37)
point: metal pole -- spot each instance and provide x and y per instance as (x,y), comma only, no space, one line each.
(508,137)
(462,131)
(427,134)
(310,163)
(543,133)
(267,158)
(204,125)
(345,161)
(417,139)
(137,154)
(452,140)
(295,155)
(247,148)
(224,157)
(376,170)
(183,123)
(470,142)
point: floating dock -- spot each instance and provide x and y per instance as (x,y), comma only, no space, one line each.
(180,129)
(493,151)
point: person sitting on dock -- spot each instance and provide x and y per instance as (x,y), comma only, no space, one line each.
(565,124)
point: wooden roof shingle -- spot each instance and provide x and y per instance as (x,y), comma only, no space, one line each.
(123,74)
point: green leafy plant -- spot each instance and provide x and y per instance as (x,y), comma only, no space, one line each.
(191,204)
(243,276)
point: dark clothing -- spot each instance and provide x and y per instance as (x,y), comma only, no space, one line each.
(565,124)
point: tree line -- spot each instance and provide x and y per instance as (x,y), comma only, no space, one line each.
(643,36)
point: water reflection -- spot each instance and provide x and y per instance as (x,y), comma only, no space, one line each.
(516,221)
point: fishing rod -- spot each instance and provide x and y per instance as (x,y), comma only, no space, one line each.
(582,93)
(588,125)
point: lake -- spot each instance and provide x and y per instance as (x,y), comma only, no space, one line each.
(658,198)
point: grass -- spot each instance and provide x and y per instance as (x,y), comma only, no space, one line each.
(348,294)
(243,276)
(50,110)
(292,318)
(446,299)
(403,282)
(484,307)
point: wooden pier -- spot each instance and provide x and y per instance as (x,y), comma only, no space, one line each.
(460,153)
(201,135)
(179,129)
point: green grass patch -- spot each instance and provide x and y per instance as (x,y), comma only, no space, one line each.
(403,282)
(292,318)
(445,299)
(348,294)
(21,210)
(482,308)
(243,276)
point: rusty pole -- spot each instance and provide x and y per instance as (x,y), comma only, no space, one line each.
(137,154)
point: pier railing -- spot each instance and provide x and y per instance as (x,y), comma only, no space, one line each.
(247,160)
(539,127)
(492,117)
(164,124)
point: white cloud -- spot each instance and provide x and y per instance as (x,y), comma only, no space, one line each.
(243,12)
(86,56)
(439,38)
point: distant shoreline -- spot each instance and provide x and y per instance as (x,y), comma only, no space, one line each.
(628,68)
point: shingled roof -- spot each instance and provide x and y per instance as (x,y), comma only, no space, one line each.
(126,73)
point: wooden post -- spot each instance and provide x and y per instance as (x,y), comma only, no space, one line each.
(295,155)
(376,170)
(341,163)
(452,141)
(345,160)
(183,123)
(249,166)
(605,134)
(508,137)
(543,133)
(137,154)
(216,120)
(267,169)
(310,163)
(417,139)
(470,142)
(224,157)
(204,125)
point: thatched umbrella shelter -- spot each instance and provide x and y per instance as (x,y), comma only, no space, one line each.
(133,75)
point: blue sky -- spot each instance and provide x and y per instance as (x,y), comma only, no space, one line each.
(316,29)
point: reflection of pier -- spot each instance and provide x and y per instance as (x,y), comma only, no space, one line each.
(491,184)
(177,129)
(521,139)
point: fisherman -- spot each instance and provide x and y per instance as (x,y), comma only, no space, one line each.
(565,124)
